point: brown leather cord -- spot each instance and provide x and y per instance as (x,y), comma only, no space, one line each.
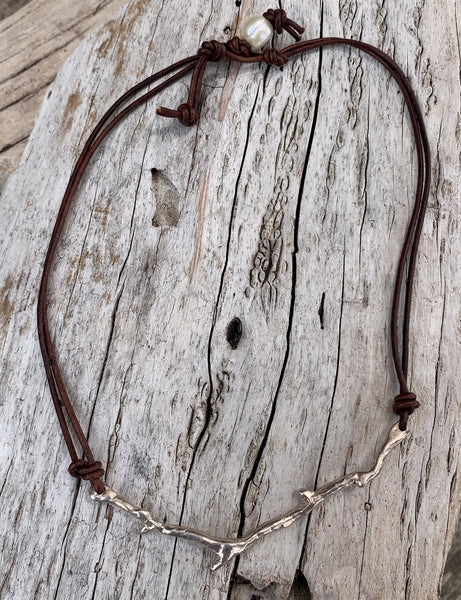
(187,114)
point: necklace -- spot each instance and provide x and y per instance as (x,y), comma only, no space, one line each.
(255,34)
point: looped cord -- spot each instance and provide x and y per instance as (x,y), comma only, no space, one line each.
(187,113)
(82,469)
(238,47)
(280,21)
(404,405)
(235,48)
(271,56)
(215,50)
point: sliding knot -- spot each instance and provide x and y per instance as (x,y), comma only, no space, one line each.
(215,50)
(83,470)
(187,115)
(280,22)
(238,46)
(271,56)
(404,405)
(405,402)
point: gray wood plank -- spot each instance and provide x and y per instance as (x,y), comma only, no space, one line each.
(198,432)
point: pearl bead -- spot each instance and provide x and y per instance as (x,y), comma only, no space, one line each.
(257,31)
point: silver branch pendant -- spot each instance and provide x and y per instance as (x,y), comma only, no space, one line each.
(227,548)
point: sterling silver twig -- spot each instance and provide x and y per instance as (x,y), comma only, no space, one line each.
(227,548)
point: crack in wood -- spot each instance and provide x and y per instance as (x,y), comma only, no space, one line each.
(321,311)
(211,387)
(58,557)
(290,318)
(364,165)
(335,383)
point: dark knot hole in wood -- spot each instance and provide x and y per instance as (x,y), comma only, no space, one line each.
(234,332)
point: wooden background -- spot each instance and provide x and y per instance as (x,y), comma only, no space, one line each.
(168,240)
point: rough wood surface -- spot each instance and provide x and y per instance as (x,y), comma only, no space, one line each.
(451,589)
(174,232)
(34,43)
(9,7)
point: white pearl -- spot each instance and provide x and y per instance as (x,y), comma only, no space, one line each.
(257,31)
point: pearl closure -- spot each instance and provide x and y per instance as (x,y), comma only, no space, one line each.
(257,31)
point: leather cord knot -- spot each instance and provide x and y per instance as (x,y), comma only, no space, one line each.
(238,50)
(272,56)
(187,114)
(215,50)
(238,46)
(404,405)
(82,469)
(280,21)
(405,402)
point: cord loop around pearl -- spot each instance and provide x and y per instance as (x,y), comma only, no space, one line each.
(260,30)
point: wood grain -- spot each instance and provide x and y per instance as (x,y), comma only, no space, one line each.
(286,206)
(34,43)
(9,7)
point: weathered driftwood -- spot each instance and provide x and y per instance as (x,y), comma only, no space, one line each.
(34,43)
(174,232)
(225,549)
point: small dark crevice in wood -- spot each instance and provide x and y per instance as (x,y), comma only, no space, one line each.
(321,311)
(64,538)
(133,212)
(132,589)
(244,589)
(300,588)
(5,479)
(436,387)
(407,572)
